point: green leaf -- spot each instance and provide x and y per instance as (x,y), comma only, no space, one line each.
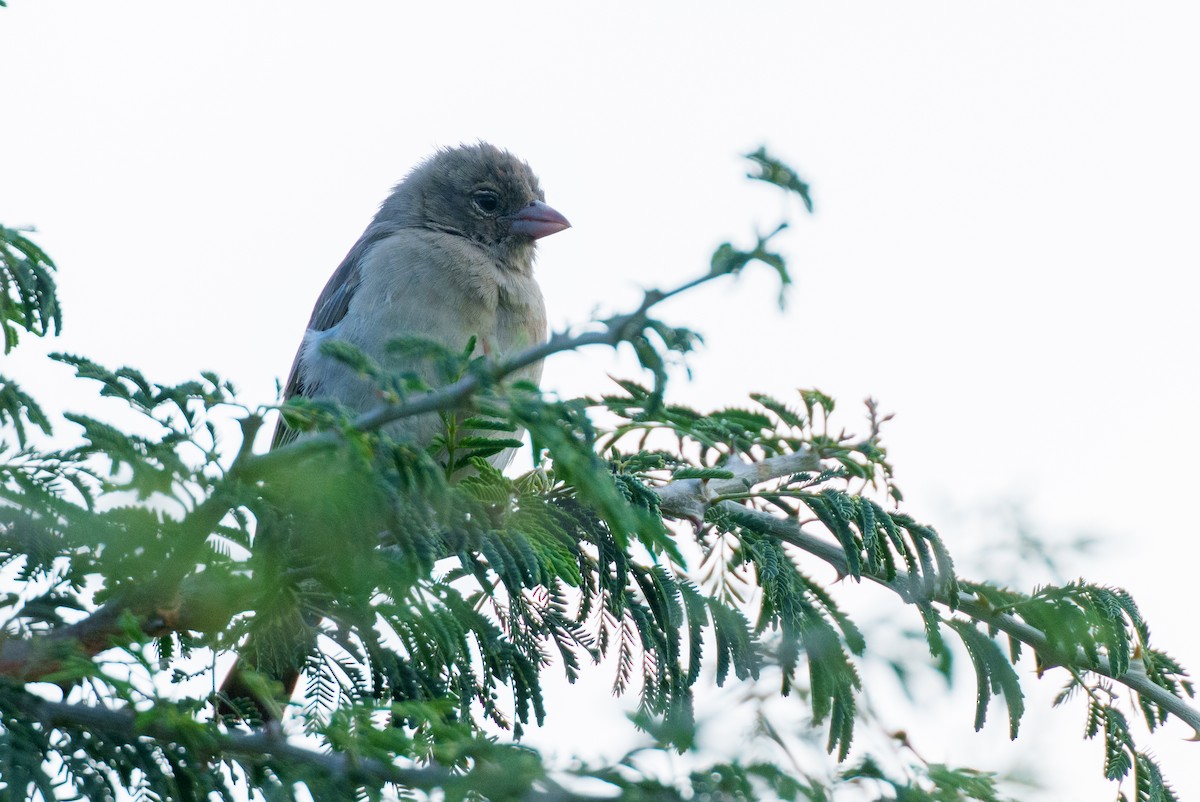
(18,409)
(994,675)
(28,295)
(701,473)
(774,171)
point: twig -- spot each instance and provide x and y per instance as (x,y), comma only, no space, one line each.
(690,498)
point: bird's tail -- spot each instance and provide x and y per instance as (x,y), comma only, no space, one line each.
(268,666)
(253,696)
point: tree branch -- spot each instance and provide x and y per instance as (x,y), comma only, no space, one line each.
(686,498)
(269,744)
(259,745)
(161,604)
(691,498)
(30,659)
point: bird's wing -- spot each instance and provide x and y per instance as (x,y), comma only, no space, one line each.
(329,310)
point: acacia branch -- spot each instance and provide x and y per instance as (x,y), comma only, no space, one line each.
(159,609)
(161,604)
(29,659)
(268,745)
(691,498)
(684,499)
(258,746)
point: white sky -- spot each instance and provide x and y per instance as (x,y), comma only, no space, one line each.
(1004,251)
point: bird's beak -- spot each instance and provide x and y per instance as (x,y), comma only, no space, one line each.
(538,220)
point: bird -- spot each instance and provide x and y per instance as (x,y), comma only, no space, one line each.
(448,257)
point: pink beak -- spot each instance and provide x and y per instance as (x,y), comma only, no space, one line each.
(538,220)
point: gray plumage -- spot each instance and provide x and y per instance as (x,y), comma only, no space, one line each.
(449,256)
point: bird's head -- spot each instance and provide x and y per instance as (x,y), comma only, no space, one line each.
(479,192)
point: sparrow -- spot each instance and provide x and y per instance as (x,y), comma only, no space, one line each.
(448,257)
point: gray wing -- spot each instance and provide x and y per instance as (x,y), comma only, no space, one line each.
(330,308)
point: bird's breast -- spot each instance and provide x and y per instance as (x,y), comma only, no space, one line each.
(445,288)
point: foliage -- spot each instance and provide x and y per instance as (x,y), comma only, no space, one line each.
(27,291)
(431,597)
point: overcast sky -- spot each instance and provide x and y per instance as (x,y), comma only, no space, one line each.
(1004,250)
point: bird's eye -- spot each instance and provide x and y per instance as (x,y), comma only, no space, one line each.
(486,201)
